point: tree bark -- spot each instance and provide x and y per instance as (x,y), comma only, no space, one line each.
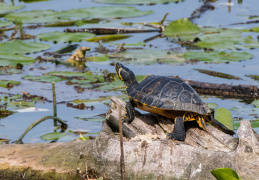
(148,154)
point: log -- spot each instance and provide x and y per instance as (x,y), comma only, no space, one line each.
(225,90)
(148,154)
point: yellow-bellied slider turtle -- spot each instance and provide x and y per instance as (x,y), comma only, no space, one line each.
(166,96)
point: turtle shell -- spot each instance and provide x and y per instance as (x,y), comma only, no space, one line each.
(167,93)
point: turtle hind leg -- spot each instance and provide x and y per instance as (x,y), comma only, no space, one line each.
(179,130)
(219,125)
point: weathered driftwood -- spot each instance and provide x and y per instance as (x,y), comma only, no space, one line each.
(148,154)
(225,90)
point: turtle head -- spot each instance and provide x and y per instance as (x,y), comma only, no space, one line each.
(126,75)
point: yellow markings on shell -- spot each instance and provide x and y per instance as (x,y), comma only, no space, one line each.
(145,103)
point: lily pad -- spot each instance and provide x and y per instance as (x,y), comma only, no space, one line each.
(254,124)
(117,84)
(47,16)
(97,58)
(149,56)
(78,75)
(5,23)
(225,39)
(47,79)
(137,2)
(255,77)
(51,16)
(116,12)
(181,27)
(53,136)
(91,101)
(256,103)
(225,174)
(22,47)
(8,83)
(8,70)
(216,56)
(255,29)
(225,117)
(12,60)
(35,16)
(20,105)
(108,38)
(64,37)
(73,23)
(17,102)
(212,105)
(4,9)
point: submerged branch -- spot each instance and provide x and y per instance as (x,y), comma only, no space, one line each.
(38,122)
(112,30)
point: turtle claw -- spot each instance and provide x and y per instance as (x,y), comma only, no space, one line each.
(175,136)
(125,121)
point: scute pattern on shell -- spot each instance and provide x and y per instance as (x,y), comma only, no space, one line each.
(168,93)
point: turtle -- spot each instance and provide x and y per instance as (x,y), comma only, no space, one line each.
(167,96)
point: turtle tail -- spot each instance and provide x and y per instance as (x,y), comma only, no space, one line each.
(219,125)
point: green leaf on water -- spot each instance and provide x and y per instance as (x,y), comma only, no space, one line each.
(21,47)
(254,124)
(225,174)
(149,56)
(181,27)
(51,16)
(216,56)
(4,9)
(116,12)
(138,44)
(9,70)
(53,136)
(78,75)
(225,39)
(91,101)
(8,83)
(7,59)
(255,29)
(212,105)
(107,38)
(256,103)
(20,105)
(255,77)
(64,37)
(5,23)
(73,23)
(97,58)
(225,117)
(137,2)
(47,79)
(116,85)
(48,16)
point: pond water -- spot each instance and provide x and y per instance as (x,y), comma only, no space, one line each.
(224,14)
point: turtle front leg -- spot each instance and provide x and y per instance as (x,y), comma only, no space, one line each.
(179,130)
(130,113)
